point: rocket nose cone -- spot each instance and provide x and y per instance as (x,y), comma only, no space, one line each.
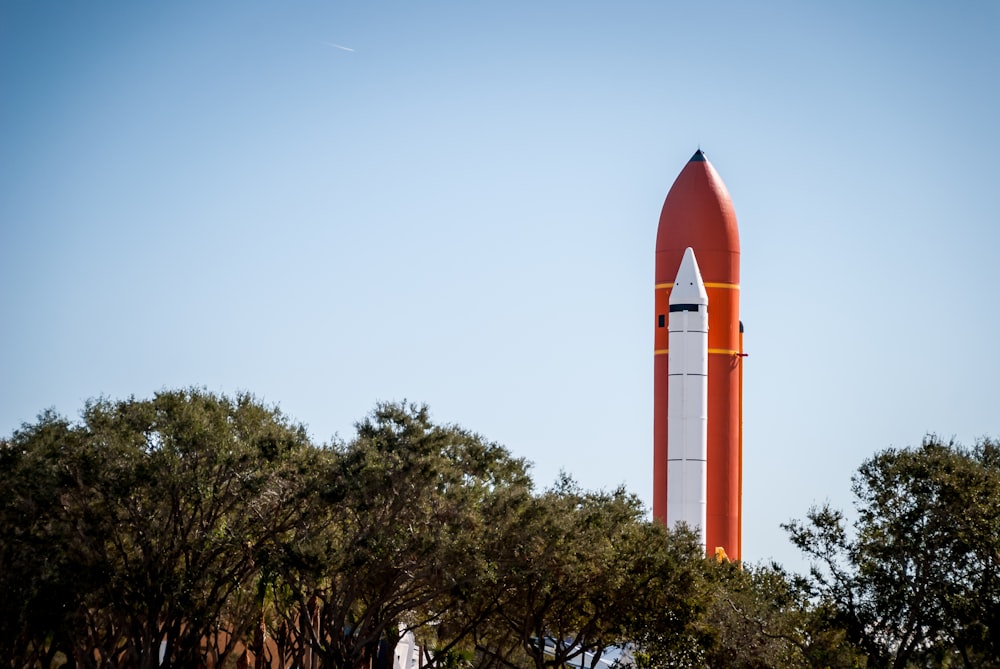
(688,286)
(698,212)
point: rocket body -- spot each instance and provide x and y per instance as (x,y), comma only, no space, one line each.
(687,408)
(698,213)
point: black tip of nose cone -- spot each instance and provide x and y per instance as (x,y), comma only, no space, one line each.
(698,157)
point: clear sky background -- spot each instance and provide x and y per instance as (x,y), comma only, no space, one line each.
(330,204)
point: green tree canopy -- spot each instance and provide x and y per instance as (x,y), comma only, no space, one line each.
(142,529)
(195,528)
(585,572)
(399,520)
(916,581)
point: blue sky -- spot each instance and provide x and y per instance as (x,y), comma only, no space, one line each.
(462,210)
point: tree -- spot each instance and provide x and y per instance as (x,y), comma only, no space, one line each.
(166,509)
(39,582)
(189,525)
(393,542)
(585,573)
(916,583)
(761,618)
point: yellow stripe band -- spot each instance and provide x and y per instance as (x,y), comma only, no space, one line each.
(708,284)
(717,351)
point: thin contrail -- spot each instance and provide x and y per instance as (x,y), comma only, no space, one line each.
(339,46)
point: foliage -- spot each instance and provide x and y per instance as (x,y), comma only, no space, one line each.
(584,573)
(916,583)
(753,617)
(143,528)
(204,528)
(394,536)
(761,618)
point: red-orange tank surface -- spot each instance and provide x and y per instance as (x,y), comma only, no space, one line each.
(699,213)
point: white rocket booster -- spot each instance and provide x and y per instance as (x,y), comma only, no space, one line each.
(687,398)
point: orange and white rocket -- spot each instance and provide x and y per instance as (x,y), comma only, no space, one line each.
(698,213)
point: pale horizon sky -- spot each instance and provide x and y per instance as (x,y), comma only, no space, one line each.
(329,204)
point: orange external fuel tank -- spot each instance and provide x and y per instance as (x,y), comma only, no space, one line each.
(699,213)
